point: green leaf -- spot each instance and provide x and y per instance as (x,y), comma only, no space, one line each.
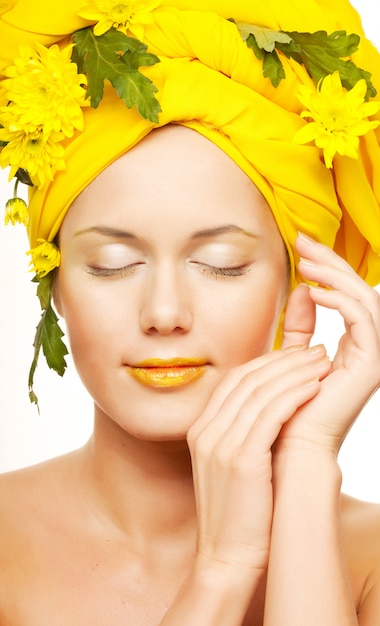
(266,39)
(48,336)
(139,57)
(37,347)
(44,289)
(273,68)
(320,53)
(323,54)
(338,44)
(252,43)
(53,347)
(263,42)
(117,58)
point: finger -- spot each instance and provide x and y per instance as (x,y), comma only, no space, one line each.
(320,253)
(364,331)
(300,317)
(266,409)
(341,280)
(226,386)
(322,265)
(267,427)
(273,378)
(243,378)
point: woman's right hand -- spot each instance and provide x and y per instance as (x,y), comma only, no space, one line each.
(230,446)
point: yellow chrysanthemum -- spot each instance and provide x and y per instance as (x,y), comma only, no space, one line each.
(16,212)
(340,117)
(44,89)
(45,257)
(39,153)
(124,15)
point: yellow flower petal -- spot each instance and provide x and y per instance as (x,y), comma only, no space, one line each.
(339,117)
(45,257)
(39,153)
(124,15)
(44,88)
(307,133)
(16,212)
(102,27)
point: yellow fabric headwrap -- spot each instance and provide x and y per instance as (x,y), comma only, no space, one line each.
(209,80)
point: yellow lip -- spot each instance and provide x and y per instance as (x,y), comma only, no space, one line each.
(159,373)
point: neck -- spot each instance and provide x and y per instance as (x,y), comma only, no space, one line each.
(143,488)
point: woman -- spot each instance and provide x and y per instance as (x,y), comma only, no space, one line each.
(195,499)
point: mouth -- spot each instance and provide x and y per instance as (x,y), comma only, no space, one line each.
(167,373)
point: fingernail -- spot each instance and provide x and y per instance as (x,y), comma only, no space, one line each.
(307,261)
(294,348)
(312,381)
(318,348)
(306,238)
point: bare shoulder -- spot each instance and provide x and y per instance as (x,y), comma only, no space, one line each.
(33,479)
(38,509)
(361,536)
(31,496)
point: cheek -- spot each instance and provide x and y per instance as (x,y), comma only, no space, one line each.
(94,324)
(252,333)
(245,327)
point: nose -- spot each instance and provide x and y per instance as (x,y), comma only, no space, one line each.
(166,307)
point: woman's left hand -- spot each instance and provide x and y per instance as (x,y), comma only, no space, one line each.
(355,369)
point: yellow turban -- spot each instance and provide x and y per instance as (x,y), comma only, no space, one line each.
(211,81)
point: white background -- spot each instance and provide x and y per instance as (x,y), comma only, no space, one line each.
(65,418)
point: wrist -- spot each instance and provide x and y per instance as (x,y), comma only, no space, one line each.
(305,468)
(308,458)
(233,582)
(215,594)
(227,578)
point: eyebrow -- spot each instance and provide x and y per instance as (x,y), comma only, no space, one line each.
(221,230)
(109,231)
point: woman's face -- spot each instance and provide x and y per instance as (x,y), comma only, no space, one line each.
(172,272)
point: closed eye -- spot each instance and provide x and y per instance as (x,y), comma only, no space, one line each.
(223,271)
(112,271)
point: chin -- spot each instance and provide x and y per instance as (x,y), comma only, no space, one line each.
(149,421)
(162,428)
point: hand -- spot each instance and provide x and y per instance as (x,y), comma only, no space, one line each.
(230,446)
(355,369)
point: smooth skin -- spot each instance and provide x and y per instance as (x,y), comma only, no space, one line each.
(217,502)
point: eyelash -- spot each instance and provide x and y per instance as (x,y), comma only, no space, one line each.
(106,272)
(225,271)
(207,269)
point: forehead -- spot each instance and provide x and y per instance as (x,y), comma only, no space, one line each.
(174,175)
